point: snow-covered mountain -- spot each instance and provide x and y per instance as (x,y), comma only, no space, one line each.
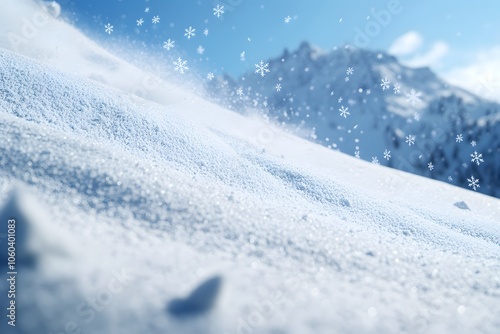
(384,104)
(165,213)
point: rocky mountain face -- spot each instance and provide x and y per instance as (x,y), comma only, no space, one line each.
(368,105)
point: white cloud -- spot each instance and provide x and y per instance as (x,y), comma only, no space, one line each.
(406,44)
(481,76)
(430,58)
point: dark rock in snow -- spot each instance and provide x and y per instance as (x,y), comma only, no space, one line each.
(461,205)
(201,300)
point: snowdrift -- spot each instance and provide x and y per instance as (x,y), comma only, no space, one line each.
(167,214)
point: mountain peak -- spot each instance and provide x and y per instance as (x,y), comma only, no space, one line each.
(386,101)
(311,51)
(304,46)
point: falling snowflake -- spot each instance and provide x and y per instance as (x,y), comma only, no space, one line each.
(473,143)
(200,50)
(140,22)
(190,32)
(384,83)
(264,103)
(344,111)
(346,79)
(169,44)
(410,139)
(387,154)
(413,97)
(239,91)
(416,116)
(477,158)
(242,56)
(205,32)
(368,91)
(396,88)
(430,166)
(146,10)
(375,161)
(450,178)
(210,76)
(473,183)
(181,65)
(262,68)
(459,138)
(218,10)
(278,87)
(287,19)
(156,19)
(340,99)
(108,28)
(349,71)
(356,154)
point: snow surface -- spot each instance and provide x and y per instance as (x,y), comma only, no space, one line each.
(173,215)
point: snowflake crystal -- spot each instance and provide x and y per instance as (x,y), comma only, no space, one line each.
(169,44)
(190,32)
(477,158)
(288,19)
(430,166)
(410,139)
(200,50)
(413,97)
(349,71)
(218,10)
(181,65)
(396,88)
(108,28)
(473,183)
(262,68)
(344,111)
(384,83)
(156,19)
(239,91)
(210,76)
(140,22)
(278,87)
(473,143)
(375,161)
(459,138)
(387,154)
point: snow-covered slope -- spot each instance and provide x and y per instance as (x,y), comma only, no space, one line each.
(315,85)
(172,215)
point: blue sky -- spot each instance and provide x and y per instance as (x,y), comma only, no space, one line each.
(445,35)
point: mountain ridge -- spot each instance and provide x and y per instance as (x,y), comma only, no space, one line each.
(308,88)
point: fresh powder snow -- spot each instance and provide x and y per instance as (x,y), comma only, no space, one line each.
(162,212)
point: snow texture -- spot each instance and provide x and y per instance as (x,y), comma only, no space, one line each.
(168,214)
